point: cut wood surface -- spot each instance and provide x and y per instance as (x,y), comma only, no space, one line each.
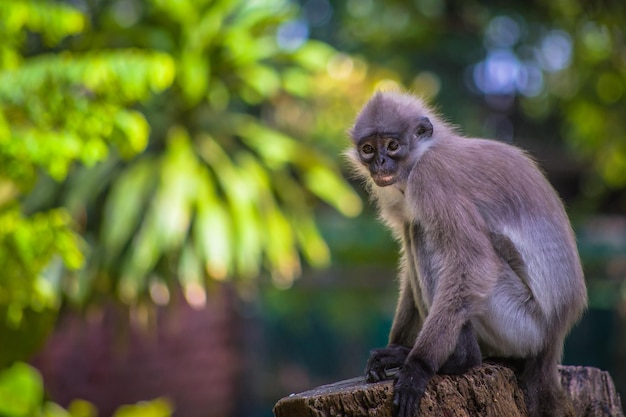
(489,390)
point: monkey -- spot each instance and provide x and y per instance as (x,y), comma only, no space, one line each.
(489,263)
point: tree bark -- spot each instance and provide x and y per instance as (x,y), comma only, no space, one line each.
(490,391)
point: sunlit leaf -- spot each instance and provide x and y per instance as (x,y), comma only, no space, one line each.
(213,233)
(250,225)
(297,82)
(125,205)
(136,131)
(154,408)
(128,74)
(177,189)
(82,408)
(258,13)
(314,248)
(84,186)
(21,390)
(203,34)
(313,55)
(329,186)
(284,261)
(263,79)
(53,20)
(147,248)
(182,11)
(30,244)
(189,266)
(51,409)
(275,148)
(241,204)
(193,76)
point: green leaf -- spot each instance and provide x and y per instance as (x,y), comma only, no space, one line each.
(213,235)
(202,35)
(262,79)
(177,190)
(313,246)
(53,20)
(51,409)
(181,11)
(125,75)
(328,184)
(136,130)
(297,82)
(125,206)
(241,198)
(146,250)
(284,260)
(82,408)
(30,244)
(155,408)
(21,391)
(276,149)
(313,55)
(193,76)
(190,269)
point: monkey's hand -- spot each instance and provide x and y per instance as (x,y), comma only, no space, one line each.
(385,359)
(410,387)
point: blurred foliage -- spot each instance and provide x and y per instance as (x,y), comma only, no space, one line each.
(148,128)
(139,152)
(56,109)
(154,408)
(21,395)
(220,192)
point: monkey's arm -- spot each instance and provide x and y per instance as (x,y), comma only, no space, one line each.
(465,269)
(410,311)
(406,324)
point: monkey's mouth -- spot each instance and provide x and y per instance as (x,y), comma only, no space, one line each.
(384,180)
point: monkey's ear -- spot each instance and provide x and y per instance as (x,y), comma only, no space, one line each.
(424,128)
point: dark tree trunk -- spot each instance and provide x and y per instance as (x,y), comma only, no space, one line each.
(488,391)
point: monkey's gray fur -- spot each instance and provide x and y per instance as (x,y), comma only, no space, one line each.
(489,260)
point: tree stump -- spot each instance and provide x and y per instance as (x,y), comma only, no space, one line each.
(490,391)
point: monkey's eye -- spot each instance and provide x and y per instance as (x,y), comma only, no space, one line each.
(367,149)
(393,145)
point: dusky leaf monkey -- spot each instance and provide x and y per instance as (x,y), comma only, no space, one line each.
(490,266)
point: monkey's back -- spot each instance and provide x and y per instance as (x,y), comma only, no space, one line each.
(502,189)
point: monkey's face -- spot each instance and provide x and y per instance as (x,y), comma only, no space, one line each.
(389,135)
(383,155)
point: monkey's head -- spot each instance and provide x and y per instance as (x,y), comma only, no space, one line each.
(389,135)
